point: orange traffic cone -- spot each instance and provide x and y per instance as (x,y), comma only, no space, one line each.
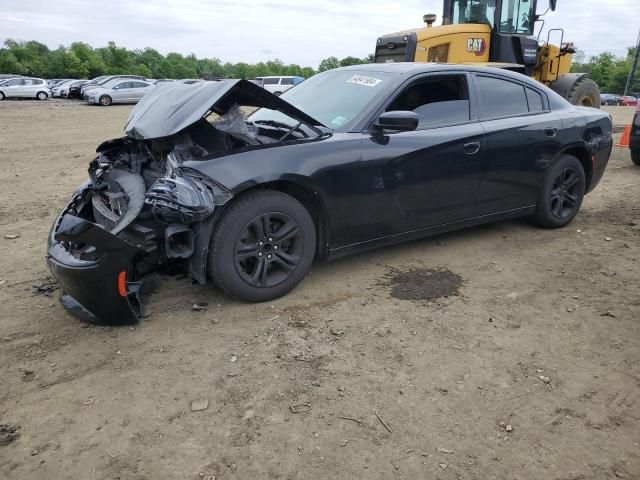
(624,140)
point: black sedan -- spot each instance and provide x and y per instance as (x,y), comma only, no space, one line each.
(351,159)
(74,88)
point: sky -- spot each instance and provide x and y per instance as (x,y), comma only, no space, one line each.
(296,31)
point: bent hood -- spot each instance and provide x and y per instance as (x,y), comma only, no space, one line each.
(170,108)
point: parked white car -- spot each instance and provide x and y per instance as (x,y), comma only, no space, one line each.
(25,87)
(120,91)
(279,85)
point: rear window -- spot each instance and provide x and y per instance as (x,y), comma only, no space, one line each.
(500,98)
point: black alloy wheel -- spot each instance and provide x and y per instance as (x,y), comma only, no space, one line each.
(269,249)
(566,193)
(262,246)
(561,193)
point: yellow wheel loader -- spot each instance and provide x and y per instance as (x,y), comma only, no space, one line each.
(494,33)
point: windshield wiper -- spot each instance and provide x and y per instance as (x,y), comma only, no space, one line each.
(289,128)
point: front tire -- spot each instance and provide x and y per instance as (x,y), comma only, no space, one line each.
(635,156)
(561,194)
(2,97)
(262,246)
(105,100)
(42,96)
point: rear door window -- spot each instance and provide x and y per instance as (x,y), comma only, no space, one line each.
(535,100)
(500,98)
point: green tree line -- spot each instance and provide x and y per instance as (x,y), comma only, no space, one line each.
(608,71)
(80,60)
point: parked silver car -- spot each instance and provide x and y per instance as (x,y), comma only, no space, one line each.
(104,79)
(118,91)
(25,87)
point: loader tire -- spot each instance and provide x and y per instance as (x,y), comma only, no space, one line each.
(585,93)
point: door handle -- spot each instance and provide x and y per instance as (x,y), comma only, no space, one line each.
(471,148)
(550,131)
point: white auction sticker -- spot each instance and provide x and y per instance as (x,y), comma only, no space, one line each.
(366,81)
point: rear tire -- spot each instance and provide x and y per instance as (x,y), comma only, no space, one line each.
(635,156)
(561,193)
(105,100)
(2,97)
(585,92)
(262,246)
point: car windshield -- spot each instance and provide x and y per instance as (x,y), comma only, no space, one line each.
(334,98)
(108,80)
(111,83)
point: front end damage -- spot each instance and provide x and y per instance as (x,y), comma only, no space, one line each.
(143,209)
(140,211)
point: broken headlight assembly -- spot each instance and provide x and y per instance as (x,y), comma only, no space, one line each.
(185,197)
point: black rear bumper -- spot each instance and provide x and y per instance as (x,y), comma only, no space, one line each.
(100,289)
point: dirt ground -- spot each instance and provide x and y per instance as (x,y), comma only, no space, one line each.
(530,369)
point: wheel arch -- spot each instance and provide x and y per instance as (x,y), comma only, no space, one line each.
(309,197)
(582,154)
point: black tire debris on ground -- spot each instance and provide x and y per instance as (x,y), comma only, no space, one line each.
(425,284)
(8,434)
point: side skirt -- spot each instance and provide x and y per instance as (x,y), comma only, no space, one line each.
(429,231)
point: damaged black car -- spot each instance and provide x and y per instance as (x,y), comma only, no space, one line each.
(246,189)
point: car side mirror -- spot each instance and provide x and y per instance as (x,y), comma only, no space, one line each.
(398,120)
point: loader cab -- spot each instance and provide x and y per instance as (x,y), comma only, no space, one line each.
(512,23)
(506,16)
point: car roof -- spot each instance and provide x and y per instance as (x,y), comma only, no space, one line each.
(414,68)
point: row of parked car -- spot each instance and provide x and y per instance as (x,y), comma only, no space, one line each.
(103,90)
(109,89)
(623,100)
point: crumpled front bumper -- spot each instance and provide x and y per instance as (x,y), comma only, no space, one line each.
(100,290)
